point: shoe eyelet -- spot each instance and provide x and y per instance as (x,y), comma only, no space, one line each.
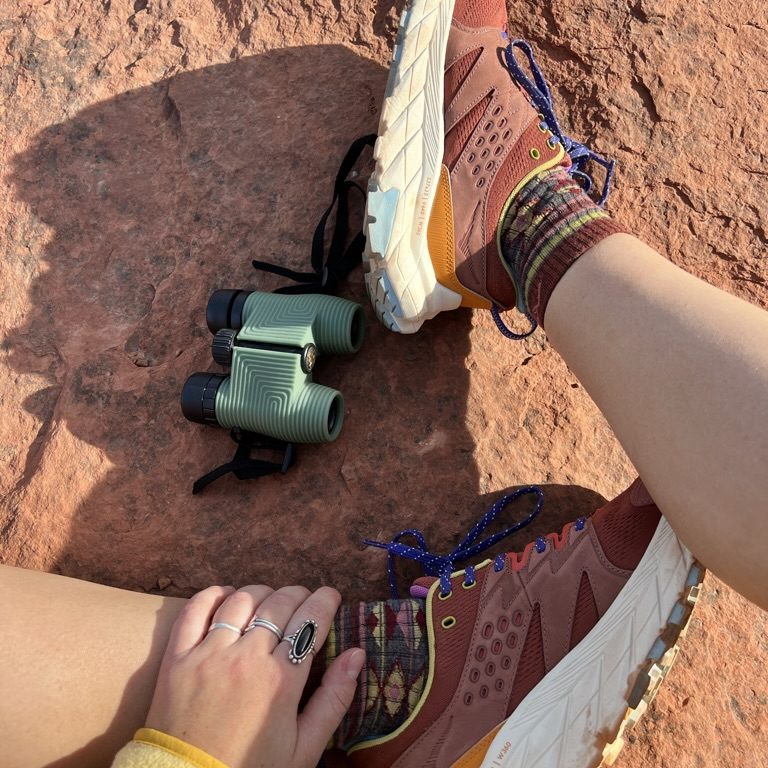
(483,691)
(499,149)
(489,166)
(493,138)
(543,127)
(485,153)
(501,122)
(488,126)
(471,157)
(506,134)
(441,596)
(541,117)
(467,698)
(471,585)
(479,142)
(448,622)
(497,110)
(552,143)
(535,154)
(480,183)
(476,170)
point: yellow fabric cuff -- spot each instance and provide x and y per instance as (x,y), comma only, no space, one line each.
(155,749)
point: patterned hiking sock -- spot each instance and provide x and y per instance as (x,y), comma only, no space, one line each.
(393,635)
(549,224)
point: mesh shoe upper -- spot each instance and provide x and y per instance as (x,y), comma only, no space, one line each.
(494,143)
(493,640)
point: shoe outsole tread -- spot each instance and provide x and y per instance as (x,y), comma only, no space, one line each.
(399,275)
(578,716)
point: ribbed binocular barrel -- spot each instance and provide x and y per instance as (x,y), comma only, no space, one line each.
(334,325)
(271,342)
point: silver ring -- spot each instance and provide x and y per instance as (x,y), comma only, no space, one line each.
(302,641)
(265,624)
(224,625)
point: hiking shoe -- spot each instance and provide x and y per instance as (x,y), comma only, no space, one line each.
(457,138)
(544,657)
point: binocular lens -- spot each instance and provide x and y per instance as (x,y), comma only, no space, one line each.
(333,415)
(357,329)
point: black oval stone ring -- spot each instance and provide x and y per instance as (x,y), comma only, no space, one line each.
(302,641)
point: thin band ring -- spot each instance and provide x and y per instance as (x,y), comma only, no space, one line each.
(224,625)
(265,624)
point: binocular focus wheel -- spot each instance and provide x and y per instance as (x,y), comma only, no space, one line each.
(221,346)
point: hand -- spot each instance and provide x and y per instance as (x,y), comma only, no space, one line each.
(237,697)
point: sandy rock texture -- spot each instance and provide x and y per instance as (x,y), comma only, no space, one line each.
(151,149)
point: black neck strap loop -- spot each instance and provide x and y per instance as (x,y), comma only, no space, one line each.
(328,273)
(246,468)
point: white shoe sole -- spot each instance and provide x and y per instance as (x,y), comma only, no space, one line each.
(399,275)
(600,689)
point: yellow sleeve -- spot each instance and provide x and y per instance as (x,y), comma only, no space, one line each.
(155,749)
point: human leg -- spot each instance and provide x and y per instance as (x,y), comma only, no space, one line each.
(78,664)
(680,370)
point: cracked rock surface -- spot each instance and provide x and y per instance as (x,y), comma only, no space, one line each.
(151,149)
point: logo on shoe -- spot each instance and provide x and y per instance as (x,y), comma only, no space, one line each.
(498,761)
(423,208)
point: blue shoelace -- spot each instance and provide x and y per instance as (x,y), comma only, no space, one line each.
(443,566)
(541,98)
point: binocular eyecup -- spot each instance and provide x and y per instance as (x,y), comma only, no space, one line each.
(225,309)
(198,397)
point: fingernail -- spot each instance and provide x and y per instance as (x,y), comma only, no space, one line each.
(355,662)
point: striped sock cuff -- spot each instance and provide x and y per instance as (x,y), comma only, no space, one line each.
(549,225)
(578,239)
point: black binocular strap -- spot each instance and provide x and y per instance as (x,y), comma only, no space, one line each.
(243,466)
(328,273)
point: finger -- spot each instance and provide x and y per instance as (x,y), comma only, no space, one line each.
(235,611)
(195,618)
(320,607)
(326,708)
(277,608)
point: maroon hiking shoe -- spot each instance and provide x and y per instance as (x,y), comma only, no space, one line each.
(546,657)
(457,138)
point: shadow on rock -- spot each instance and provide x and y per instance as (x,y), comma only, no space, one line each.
(149,202)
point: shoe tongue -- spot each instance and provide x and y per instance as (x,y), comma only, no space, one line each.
(420,587)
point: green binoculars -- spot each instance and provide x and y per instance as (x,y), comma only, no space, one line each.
(270,342)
